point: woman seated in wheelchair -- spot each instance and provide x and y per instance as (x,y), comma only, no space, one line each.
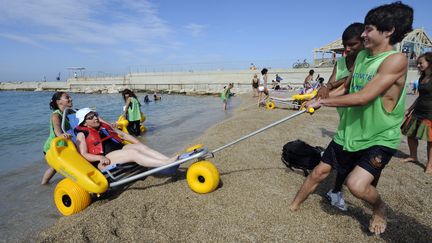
(102,145)
(311,87)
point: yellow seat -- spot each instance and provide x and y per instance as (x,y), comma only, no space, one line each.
(67,161)
(122,123)
(307,96)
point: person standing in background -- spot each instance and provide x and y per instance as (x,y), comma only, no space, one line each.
(132,112)
(418,121)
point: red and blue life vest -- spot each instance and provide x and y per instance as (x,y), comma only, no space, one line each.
(93,137)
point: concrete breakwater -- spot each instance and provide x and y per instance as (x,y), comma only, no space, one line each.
(205,82)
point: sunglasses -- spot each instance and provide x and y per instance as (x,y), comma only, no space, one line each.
(92,115)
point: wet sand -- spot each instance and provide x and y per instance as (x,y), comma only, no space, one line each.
(252,201)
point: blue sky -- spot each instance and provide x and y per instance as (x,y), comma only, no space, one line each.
(44,37)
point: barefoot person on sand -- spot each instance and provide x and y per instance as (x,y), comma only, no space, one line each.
(420,124)
(262,88)
(374,96)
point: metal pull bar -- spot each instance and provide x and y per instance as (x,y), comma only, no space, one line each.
(258,131)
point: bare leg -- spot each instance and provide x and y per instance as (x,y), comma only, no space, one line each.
(428,169)
(359,183)
(131,155)
(321,171)
(412,145)
(49,173)
(146,150)
(259,98)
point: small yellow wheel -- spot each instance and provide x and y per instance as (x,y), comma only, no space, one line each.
(194,147)
(202,177)
(70,198)
(270,105)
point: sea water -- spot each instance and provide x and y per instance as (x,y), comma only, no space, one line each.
(171,123)
(26,206)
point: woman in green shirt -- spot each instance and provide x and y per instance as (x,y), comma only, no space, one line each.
(59,102)
(132,112)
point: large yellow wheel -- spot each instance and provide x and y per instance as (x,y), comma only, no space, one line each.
(70,198)
(270,105)
(194,147)
(202,177)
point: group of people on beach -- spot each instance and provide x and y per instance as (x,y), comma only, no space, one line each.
(98,141)
(367,87)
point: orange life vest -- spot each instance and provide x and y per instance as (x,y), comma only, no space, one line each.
(94,140)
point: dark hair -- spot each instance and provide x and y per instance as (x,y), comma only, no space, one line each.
(388,16)
(428,57)
(56,96)
(264,71)
(311,72)
(354,30)
(128,92)
(321,80)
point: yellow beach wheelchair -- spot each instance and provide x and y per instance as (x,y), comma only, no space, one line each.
(296,102)
(83,181)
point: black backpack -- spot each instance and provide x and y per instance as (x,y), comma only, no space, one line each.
(300,155)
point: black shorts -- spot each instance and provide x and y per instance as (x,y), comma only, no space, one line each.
(372,159)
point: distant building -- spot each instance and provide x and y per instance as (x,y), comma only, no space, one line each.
(413,45)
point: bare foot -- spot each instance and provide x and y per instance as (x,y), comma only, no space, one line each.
(409,159)
(378,223)
(428,171)
(294,208)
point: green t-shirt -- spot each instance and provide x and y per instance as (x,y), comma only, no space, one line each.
(226,94)
(134,111)
(364,126)
(341,69)
(341,72)
(52,134)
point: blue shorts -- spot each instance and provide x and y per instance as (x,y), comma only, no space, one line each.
(372,159)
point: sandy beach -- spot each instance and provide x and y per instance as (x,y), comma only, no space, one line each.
(252,201)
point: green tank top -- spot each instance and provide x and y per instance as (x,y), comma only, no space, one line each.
(341,69)
(341,72)
(226,94)
(134,111)
(52,134)
(362,127)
